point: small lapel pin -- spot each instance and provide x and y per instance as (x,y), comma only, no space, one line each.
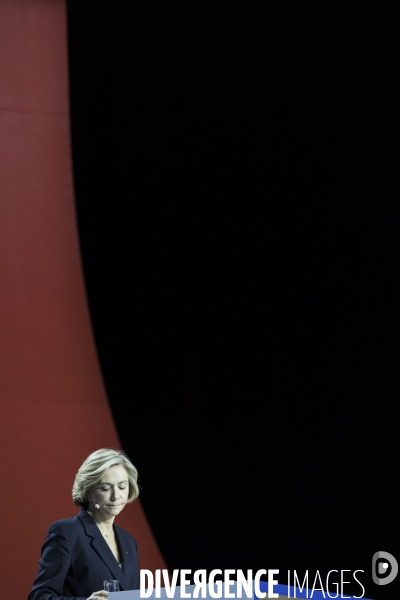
(127,551)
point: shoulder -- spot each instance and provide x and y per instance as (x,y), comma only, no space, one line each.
(67,522)
(67,526)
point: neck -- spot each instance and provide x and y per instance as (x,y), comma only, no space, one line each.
(105,522)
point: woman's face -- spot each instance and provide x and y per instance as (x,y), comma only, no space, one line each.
(111,493)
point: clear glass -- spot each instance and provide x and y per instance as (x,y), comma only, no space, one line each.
(111,585)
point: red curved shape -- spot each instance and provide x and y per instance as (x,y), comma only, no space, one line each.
(52,399)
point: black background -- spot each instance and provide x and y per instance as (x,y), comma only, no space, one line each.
(236,175)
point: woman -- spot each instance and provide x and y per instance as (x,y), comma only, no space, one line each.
(81,552)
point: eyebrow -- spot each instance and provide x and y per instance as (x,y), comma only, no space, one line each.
(106,482)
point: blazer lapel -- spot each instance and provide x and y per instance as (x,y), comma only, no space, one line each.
(102,548)
(127,558)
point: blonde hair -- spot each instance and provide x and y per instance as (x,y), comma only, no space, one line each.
(93,469)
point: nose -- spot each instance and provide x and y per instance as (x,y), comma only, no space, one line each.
(114,493)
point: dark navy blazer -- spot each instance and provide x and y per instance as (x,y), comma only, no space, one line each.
(76,560)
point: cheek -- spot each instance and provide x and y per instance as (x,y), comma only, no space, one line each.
(98,497)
